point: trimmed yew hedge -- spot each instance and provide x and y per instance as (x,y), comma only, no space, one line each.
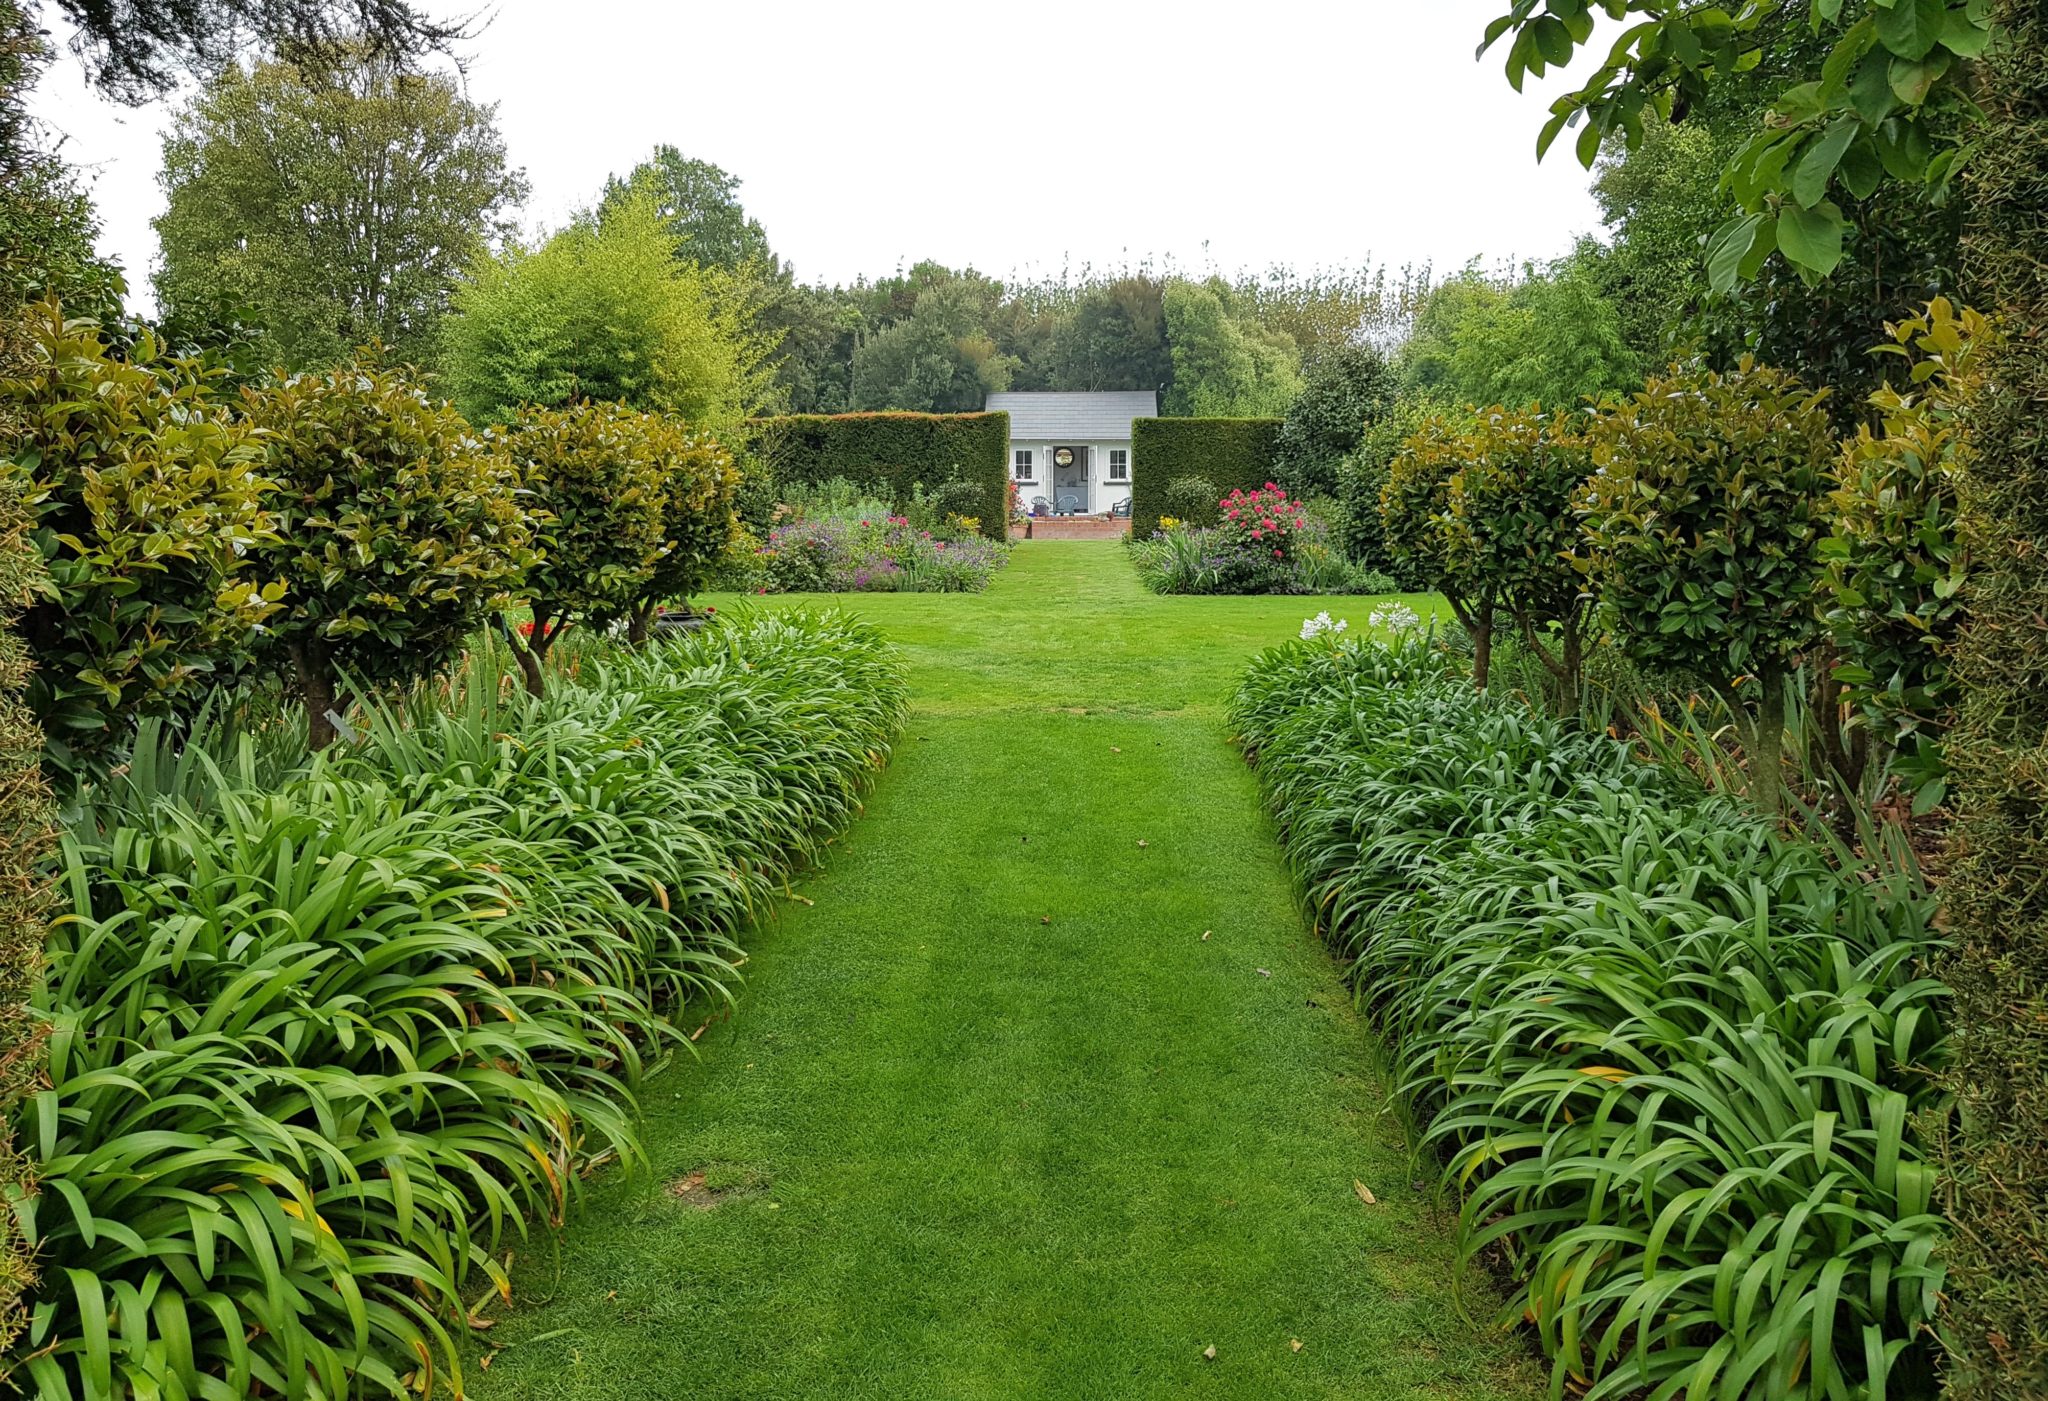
(1996,1169)
(891,452)
(1228,452)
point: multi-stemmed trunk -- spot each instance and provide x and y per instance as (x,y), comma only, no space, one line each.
(1568,663)
(531,651)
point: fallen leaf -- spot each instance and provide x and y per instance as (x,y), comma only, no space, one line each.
(1265,972)
(1364,1193)
(1205,935)
(1209,1352)
(1294,1343)
(1045,919)
(1144,843)
(1114,750)
(484,1363)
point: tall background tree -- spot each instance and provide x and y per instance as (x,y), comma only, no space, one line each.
(700,204)
(1114,337)
(1546,336)
(1226,365)
(329,204)
(136,50)
(936,353)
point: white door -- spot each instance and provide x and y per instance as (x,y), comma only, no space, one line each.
(1070,480)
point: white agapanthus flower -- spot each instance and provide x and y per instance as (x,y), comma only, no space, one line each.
(1312,628)
(1395,617)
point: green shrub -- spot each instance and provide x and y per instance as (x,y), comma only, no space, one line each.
(398,530)
(1511,530)
(1342,392)
(889,454)
(1703,529)
(1676,1063)
(150,507)
(1895,564)
(1227,452)
(593,493)
(605,310)
(1994,898)
(25,838)
(697,522)
(326,1042)
(1193,501)
(1415,509)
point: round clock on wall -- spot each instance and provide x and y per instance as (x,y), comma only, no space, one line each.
(1063,457)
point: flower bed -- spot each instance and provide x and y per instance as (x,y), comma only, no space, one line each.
(869,555)
(1264,542)
(326,1040)
(1678,1064)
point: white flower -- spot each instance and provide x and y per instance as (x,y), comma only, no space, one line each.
(1394,617)
(1312,628)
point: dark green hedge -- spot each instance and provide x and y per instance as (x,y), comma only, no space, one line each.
(891,452)
(1229,452)
(1996,1184)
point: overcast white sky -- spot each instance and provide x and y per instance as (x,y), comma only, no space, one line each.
(1013,138)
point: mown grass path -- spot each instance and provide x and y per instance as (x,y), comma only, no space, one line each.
(995,1119)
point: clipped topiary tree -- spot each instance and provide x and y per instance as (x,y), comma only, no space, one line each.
(1895,562)
(1194,500)
(399,530)
(1511,528)
(150,507)
(1703,528)
(700,481)
(596,494)
(1415,509)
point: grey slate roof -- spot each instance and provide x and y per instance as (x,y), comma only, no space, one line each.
(1081,417)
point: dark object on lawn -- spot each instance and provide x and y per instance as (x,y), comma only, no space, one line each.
(675,624)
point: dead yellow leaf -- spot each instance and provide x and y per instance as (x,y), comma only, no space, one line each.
(1606,1072)
(1364,1193)
(1209,1352)
(1294,1343)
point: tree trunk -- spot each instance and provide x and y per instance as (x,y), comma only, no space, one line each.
(1767,762)
(1482,646)
(316,688)
(530,654)
(638,623)
(529,670)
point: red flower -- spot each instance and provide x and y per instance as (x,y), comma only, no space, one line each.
(526,629)
(1276,554)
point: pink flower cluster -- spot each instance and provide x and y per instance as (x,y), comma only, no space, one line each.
(1264,515)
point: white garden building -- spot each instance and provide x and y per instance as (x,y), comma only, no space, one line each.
(1070,453)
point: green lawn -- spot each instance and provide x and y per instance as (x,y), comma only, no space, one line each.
(996,1120)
